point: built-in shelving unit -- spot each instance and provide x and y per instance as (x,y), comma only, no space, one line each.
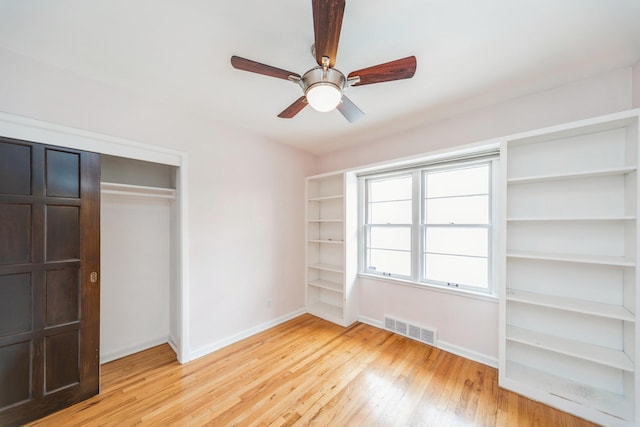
(332,247)
(569,299)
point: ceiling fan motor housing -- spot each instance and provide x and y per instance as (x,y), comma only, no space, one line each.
(326,84)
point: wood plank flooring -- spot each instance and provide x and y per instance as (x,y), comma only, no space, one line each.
(307,372)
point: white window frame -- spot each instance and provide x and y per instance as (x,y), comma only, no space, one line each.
(418,225)
(366,226)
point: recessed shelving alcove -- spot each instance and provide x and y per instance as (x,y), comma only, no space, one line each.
(332,247)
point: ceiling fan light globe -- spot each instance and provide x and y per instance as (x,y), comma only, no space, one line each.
(323,96)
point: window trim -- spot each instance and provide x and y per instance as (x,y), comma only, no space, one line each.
(418,172)
(365,228)
(493,297)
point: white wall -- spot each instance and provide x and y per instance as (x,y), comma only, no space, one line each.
(470,326)
(245,195)
(135,266)
(607,93)
(465,325)
(635,101)
(247,227)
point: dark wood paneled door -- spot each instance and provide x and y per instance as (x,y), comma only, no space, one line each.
(49,287)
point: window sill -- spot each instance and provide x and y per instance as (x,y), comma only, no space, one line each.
(433,288)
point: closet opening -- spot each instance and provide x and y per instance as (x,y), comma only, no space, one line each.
(140,275)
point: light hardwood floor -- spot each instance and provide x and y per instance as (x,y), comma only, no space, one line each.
(308,372)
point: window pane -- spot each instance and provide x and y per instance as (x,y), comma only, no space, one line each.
(395,262)
(386,189)
(457,269)
(461,241)
(390,212)
(458,210)
(458,182)
(390,238)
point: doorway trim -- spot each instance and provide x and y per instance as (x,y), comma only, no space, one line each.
(27,129)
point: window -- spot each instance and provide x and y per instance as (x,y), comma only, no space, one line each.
(389,225)
(430,225)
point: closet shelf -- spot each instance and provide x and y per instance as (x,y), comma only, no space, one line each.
(129,190)
(609,311)
(581,350)
(585,259)
(330,242)
(325,220)
(573,175)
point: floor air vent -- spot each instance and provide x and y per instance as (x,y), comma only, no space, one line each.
(418,333)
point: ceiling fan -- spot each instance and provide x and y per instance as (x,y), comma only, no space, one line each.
(324,86)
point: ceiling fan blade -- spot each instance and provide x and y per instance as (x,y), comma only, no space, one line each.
(327,22)
(349,110)
(294,108)
(399,69)
(257,67)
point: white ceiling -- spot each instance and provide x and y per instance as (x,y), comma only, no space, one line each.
(470,53)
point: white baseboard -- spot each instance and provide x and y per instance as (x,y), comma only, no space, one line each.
(370,321)
(443,345)
(203,351)
(173,344)
(469,354)
(126,351)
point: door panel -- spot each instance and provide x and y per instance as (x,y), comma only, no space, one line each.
(14,369)
(15,230)
(62,233)
(63,178)
(15,304)
(49,306)
(15,169)
(62,297)
(62,360)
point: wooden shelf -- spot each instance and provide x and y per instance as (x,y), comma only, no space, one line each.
(601,400)
(573,175)
(593,353)
(585,259)
(571,304)
(331,242)
(324,284)
(327,267)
